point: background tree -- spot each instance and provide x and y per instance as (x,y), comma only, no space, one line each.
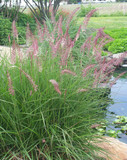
(10,8)
(74,1)
(41,8)
(1,4)
(121,0)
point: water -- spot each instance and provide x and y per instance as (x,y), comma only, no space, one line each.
(119,96)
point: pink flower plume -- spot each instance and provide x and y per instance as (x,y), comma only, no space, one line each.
(56,85)
(9,38)
(87,45)
(87,69)
(35,47)
(13,53)
(14,30)
(60,31)
(39,28)
(68,72)
(30,80)
(29,35)
(11,90)
(71,16)
(88,16)
(82,90)
(52,14)
(78,34)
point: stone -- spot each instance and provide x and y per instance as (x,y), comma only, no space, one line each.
(115,150)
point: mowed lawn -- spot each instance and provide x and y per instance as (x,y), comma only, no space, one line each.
(107,22)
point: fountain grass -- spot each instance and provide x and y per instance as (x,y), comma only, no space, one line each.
(50,99)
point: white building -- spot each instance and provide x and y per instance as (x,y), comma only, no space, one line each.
(97,1)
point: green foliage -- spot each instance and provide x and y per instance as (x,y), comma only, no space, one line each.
(120,124)
(45,118)
(120,120)
(21,18)
(119,71)
(57,125)
(120,40)
(121,0)
(117,33)
(113,133)
(64,14)
(9,13)
(104,53)
(118,46)
(21,35)
(73,1)
(85,10)
(5,30)
(124,129)
(6,19)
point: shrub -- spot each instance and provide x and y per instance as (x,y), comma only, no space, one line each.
(104,53)
(85,10)
(118,46)
(117,33)
(5,30)
(21,18)
(107,46)
(9,13)
(120,40)
(6,25)
(49,99)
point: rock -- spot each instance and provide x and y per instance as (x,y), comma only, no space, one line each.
(115,150)
(124,65)
(118,55)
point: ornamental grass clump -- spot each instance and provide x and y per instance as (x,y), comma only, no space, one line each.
(49,99)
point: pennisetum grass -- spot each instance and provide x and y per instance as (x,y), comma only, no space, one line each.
(50,95)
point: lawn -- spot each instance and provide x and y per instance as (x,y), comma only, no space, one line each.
(107,22)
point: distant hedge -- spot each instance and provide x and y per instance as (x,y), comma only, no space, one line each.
(85,10)
(21,18)
(5,30)
(6,19)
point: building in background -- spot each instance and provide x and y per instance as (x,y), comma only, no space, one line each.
(97,1)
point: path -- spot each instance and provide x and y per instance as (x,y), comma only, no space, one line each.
(4,50)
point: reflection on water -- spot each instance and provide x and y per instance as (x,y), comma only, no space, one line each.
(119,95)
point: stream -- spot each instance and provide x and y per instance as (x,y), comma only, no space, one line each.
(119,96)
